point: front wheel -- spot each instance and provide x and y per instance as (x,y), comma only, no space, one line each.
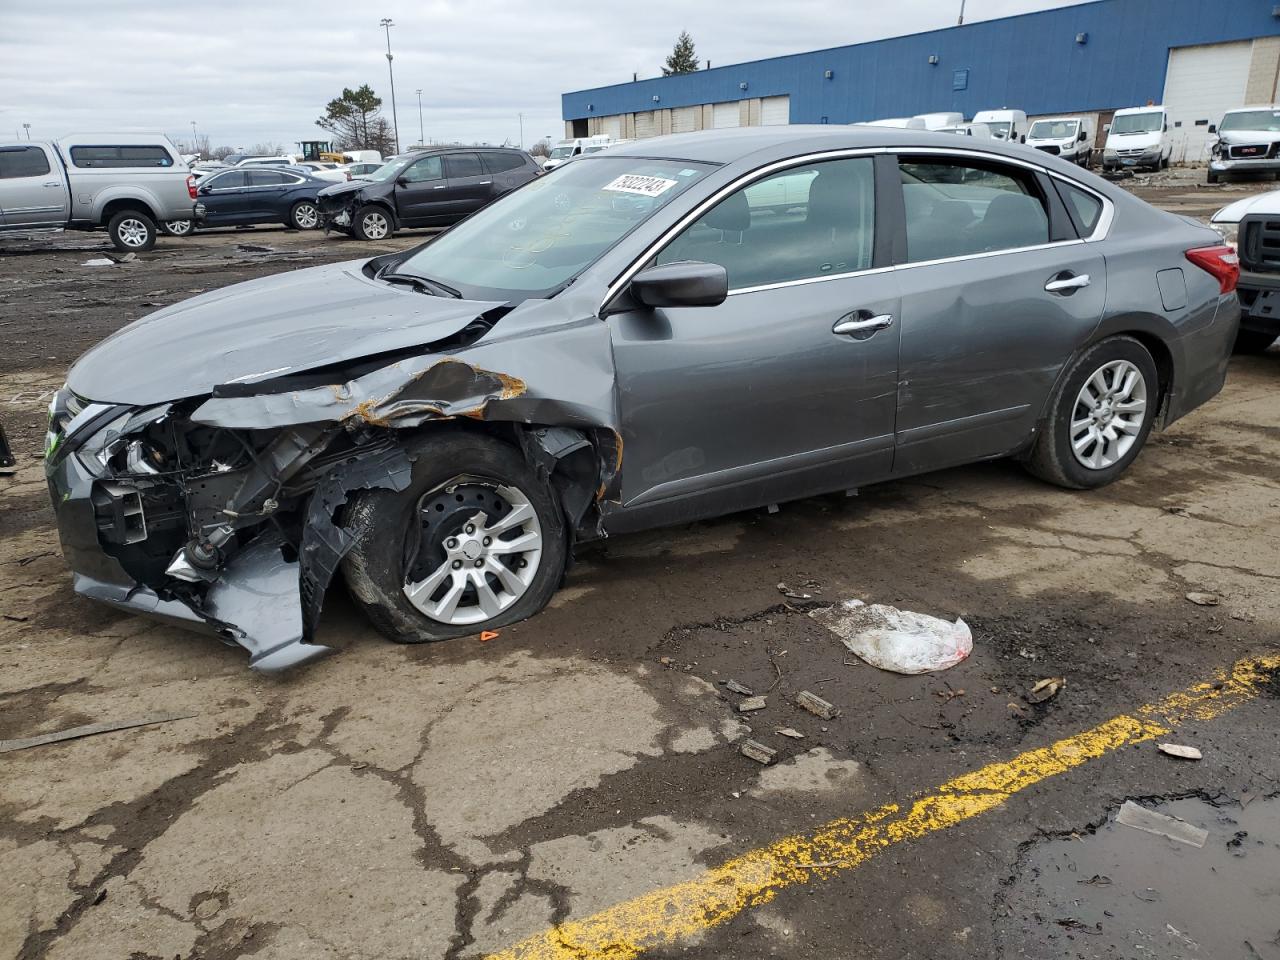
(304,215)
(132,232)
(1211,177)
(177,228)
(1099,416)
(474,542)
(372,222)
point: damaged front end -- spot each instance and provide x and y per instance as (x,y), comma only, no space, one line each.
(224,512)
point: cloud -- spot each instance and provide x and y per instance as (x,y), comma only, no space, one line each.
(249,71)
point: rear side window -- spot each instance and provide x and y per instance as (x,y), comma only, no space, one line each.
(121,156)
(502,162)
(1084,207)
(23,162)
(802,223)
(232,178)
(268,178)
(957,208)
(458,165)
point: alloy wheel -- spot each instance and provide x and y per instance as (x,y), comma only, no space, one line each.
(133,232)
(179,228)
(476,551)
(305,216)
(375,226)
(1108,414)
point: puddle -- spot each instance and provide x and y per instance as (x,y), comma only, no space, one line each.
(1126,892)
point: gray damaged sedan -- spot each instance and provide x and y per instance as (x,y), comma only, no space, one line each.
(673,329)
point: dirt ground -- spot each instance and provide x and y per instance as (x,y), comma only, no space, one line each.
(448,801)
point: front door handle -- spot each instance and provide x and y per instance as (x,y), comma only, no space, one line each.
(1067,284)
(53,183)
(861,323)
(440,187)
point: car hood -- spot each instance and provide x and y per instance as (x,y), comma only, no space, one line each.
(1134,141)
(262,329)
(347,186)
(1268,203)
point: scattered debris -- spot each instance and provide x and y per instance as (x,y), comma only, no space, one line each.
(88,730)
(1204,599)
(1140,818)
(13,618)
(950,693)
(789,732)
(1097,880)
(254,248)
(757,751)
(733,686)
(1019,711)
(751,704)
(99,262)
(1179,750)
(816,705)
(897,640)
(1046,689)
(487,635)
(793,594)
(1026,654)
(665,661)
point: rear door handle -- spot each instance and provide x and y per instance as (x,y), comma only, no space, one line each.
(861,323)
(440,187)
(1066,284)
(53,183)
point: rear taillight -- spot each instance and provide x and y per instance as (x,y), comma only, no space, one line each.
(191,186)
(1221,262)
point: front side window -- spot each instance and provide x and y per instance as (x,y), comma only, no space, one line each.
(533,240)
(1148,122)
(460,165)
(802,223)
(23,162)
(957,208)
(428,168)
(121,156)
(1000,129)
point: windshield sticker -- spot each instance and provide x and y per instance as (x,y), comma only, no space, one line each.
(636,183)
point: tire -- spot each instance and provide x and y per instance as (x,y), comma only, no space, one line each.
(1053,459)
(1253,341)
(1211,177)
(395,545)
(132,232)
(304,215)
(177,228)
(372,222)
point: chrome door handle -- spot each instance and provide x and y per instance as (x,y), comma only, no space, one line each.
(854,324)
(54,183)
(1067,283)
(486,183)
(441,187)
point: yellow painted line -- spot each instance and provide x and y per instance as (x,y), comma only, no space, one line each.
(673,914)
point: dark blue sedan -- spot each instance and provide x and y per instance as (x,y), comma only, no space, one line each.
(261,195)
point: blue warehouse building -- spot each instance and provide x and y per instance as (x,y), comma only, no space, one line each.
(1197,57)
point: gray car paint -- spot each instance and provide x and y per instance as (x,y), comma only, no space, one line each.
(691,411)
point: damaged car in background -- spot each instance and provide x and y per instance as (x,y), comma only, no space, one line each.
(643,338)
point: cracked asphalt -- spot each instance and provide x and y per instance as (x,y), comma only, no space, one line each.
(454,800)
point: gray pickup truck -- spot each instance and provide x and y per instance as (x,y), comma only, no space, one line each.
(126,183)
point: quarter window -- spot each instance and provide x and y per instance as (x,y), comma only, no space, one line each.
(1085,208)
(121,156)
(459,165)
(956,208)
(23,162)
(805,222)
(428,168)
(267,178)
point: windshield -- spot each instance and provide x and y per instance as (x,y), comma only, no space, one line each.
(1268,120)
(999,129)
(534,239)
(386,172)
(1053,129)
(559,153)
(1148,122)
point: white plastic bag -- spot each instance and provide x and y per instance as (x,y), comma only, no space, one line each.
(897,640)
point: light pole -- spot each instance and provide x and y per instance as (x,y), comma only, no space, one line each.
(521,116)
(422,140)
(960,23)
(386,24)
(194,149)
(27,127)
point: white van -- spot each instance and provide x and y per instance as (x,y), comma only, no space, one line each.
(900,123)
(968,130)
(1138,137)
(936,121)
(1005,124)
(1070,138)
(362,156)
(568,149)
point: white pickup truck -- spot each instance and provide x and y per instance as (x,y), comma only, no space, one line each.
(127,183)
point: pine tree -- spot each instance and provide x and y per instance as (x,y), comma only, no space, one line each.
(683,59)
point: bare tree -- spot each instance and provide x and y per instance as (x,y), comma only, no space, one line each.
(269,149)
(540,149)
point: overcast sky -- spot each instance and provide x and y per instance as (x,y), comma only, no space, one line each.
(251,71)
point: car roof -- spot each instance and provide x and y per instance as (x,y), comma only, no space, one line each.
(737,143)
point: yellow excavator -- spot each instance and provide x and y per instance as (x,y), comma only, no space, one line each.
(320,151)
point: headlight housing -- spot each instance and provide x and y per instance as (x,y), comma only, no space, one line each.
(1109,153)
(1230,233)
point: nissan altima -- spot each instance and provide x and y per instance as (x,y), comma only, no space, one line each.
(669,330)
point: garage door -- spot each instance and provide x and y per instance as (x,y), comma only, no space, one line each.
(612,127)
(775,111)
(1202,83)
(725,115)
(685,119)
(645,125)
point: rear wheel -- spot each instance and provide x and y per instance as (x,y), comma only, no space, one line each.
(372,222)
(132,232)
(474,542)
(1253,341)
(304,215)
(1099,416)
